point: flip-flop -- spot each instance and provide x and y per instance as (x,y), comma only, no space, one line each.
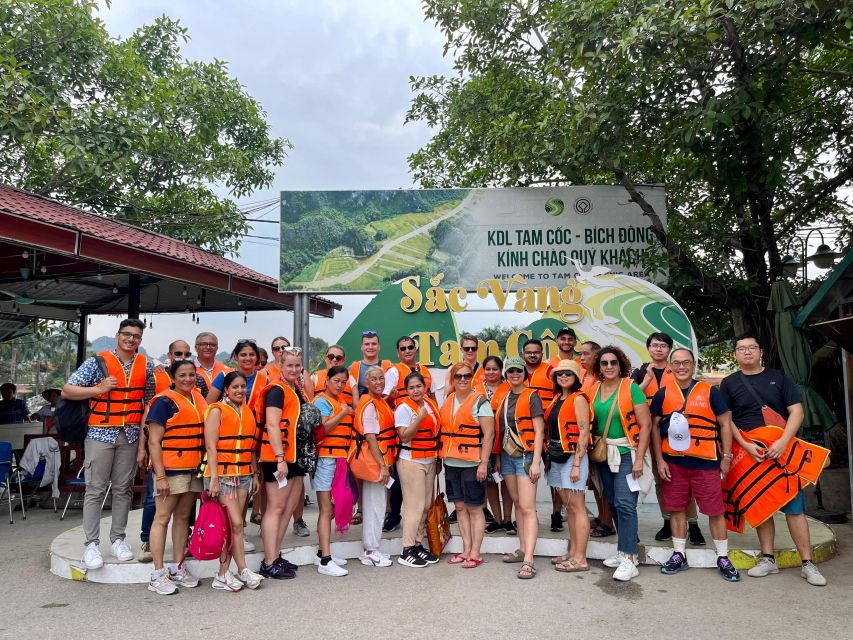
(602,531)
(570,566)
(356,519)
(515,556)
(527,571)
(560,559)
(470,563)
(457,559)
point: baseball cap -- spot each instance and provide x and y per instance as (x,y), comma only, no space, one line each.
(568,330)
(678,434)
(513,363)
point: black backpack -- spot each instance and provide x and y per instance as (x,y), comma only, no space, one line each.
(72,416)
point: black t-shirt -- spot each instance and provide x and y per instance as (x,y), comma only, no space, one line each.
(274,398)
(773,387)
(640,374)
(555,447)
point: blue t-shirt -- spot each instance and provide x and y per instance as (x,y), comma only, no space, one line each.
(162,409)
(219,382)
(326,409)
(718,406)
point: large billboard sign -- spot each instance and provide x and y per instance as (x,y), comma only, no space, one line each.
(363,241)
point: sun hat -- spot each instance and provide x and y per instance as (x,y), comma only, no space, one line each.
(566,365)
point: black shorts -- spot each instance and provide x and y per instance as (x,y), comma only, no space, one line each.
(462,486)
(268,470)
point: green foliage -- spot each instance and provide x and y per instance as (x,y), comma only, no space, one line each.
(742,110)
(498,333)
(41,359)
(128,128)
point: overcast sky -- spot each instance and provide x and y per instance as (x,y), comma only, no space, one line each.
(333,76)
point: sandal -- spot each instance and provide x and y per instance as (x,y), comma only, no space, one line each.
(515,556)
(356,519)
(571,566)
(527,571)
(457,559)
(256,518)
(560,559)
(602,531)
(471,563)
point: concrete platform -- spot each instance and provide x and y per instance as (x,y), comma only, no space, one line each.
(67,548)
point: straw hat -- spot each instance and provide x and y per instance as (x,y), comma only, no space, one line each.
(566,365)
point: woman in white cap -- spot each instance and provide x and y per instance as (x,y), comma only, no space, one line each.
(567,421)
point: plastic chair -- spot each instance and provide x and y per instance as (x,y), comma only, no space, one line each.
(6,474)
(78,484)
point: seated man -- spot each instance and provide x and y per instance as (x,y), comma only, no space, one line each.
(12,409)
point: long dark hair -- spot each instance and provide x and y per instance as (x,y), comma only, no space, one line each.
(624,363)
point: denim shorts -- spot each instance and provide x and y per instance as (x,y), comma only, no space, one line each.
(324,473)
(558,474)
(515,466)
(231,484)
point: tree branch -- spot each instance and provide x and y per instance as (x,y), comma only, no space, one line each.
(805,203)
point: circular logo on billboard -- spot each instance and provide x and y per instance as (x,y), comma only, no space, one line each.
(583,206)
(554,206)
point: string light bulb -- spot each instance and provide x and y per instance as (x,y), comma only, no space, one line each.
(115,288)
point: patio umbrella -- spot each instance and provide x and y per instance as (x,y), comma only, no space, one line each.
(796,357)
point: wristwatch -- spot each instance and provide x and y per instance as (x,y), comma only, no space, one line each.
(728,456)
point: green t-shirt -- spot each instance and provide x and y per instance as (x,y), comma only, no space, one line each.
(602,410)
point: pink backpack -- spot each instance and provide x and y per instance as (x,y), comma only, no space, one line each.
(211,537)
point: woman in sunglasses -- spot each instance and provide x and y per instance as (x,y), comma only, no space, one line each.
(467,434)
(522,435)
(246,354)
(567,418)
(621,415)
(335,357)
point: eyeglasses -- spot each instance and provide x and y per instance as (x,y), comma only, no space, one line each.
(295,350)
(532,353)
(127,335)
(513,371)
(681,363)
(206,345)
(658,345)
(410,347)
(748,348)
(370,333)
(463,376)
(564,374)
(334,358)
(469,349)
(608,363)
(183,354)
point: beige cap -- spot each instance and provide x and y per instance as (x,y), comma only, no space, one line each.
(566,365)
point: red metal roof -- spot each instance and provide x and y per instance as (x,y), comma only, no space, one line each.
(55,213)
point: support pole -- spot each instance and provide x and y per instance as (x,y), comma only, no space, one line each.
(134,289)
(301,308)
(81,339)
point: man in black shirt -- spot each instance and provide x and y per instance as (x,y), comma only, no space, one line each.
(776,391)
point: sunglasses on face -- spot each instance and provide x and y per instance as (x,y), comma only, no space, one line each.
(334,358)
(564,374)
(513,371)
(609,363)
(410,347)
(463,376)
(469,349)
(370,333)
(183,354)
(278,348)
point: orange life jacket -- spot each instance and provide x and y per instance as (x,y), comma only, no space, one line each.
(523,418)
(479,376)
(218,368)
(541,383)
(653,387)
(162,381)
(355,369)
(587,382)
(125,400)
(336,443)
(287,423)
(183,438)
(461,435)
(497,397)
(704,430)
(555,360)
(320,386)
(396,397)
(387,438)
(625,411)
(424,444)
(567,421)
(238,440)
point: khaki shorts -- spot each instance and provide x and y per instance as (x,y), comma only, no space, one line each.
(184,483)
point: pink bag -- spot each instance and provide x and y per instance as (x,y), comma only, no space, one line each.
(344,495)
(211,537)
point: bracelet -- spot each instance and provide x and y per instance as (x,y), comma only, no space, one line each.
(280,457)
(728,456)
(160,477)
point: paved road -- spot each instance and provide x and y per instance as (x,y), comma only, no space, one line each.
(488,602)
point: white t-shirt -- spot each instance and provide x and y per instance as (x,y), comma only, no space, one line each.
(403,417)
(392,377)
(370,420)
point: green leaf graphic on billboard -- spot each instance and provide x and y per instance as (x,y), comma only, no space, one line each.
(554,206)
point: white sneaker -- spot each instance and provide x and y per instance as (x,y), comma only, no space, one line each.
(338,561)
(626,570)
(811,573)
(248,546)
(182,577)
(331,569)
(249,578)
(92,556)
(765,567)
(122,551)
(161,584)
(227,583)
(615,561)
(375,559)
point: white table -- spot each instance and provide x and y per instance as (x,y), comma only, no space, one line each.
(15,433)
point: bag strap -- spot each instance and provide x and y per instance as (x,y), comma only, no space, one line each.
(752,391)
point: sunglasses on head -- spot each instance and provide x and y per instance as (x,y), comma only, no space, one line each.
(370,333)
(296,350)
(334,358)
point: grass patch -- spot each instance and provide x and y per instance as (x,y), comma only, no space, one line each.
(335,266)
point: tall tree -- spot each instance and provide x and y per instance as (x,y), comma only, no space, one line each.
(742,109)
(126,127)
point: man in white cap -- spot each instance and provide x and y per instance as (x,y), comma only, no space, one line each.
(692,440)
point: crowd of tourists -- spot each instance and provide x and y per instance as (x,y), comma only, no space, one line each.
(584,419)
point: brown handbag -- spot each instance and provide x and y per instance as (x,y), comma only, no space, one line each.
(437,523)
(599,448)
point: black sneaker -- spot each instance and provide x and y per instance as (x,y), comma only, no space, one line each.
(452,517)
(489,517)
(677,562)
(665,532)
(694,535)
(392,523)
(556,521)
(426,554)
(494,527)
(727,569)
(510,528)
(287,564)
(276,571)
(410,558)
